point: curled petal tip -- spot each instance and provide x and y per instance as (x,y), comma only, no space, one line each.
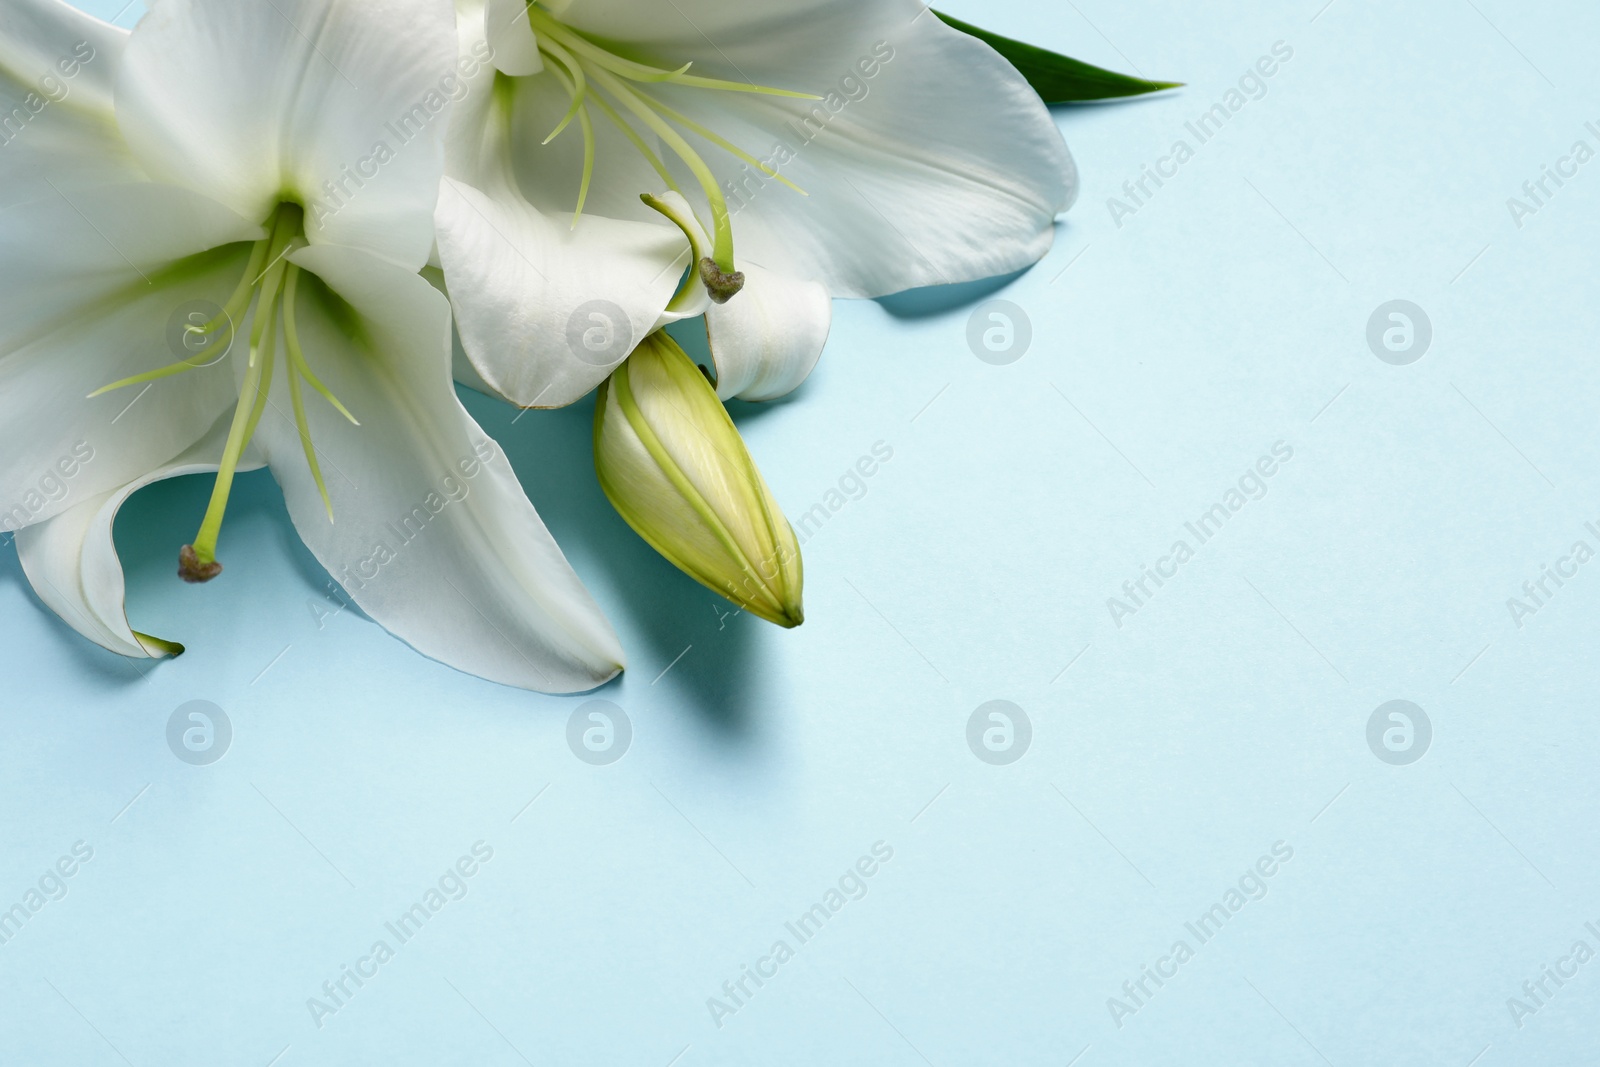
(192,569)
(158,647)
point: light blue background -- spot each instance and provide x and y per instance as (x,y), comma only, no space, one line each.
(1228,714)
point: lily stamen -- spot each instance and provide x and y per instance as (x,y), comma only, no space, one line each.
(726,145)
(577,85)
(229,314)
(580,64)
(721,220)
(197,562)
(297,370)
(638,141)
(269,276)
(544,25)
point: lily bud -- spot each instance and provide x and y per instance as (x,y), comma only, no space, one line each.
(673,465)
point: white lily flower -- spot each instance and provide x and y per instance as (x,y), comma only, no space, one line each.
(217,241)
(923,156)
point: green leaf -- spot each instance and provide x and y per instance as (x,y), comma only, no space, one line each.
(1059,79)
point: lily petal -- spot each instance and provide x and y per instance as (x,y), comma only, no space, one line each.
(546,312)
(340,105)
(476,132)
(432,535)
(91,290)
(768,339)
(526,285)
(57,124)
(940,166)
(690,23)
(549,176)
(510,35)
(71,560)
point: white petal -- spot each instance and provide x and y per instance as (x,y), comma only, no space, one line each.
(768,338)
(432,534)
(691,23)
(545,312)
(692,298)
(56,119)
(340,105)
(71,560)
(42,38)
(473,151)
(519,275)
(510,35)
(940,166)
(93,290)
(549,175)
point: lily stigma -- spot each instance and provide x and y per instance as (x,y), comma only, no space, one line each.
(272,285)
(583,67)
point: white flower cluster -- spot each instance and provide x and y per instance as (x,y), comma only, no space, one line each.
(347,187)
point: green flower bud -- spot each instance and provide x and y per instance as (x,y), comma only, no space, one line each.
(673,465)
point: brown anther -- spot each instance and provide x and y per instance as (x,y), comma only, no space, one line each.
(190,569)
(721,284)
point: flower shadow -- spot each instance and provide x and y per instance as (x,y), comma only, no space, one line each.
(691,336)
(92,661)
(939,299)
(680,637)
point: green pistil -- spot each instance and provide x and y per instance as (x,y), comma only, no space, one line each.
(278,287)
(197,562)
(727,146)
(273,283)
(723,285)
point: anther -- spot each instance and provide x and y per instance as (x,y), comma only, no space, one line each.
(722,285)
(191,569)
